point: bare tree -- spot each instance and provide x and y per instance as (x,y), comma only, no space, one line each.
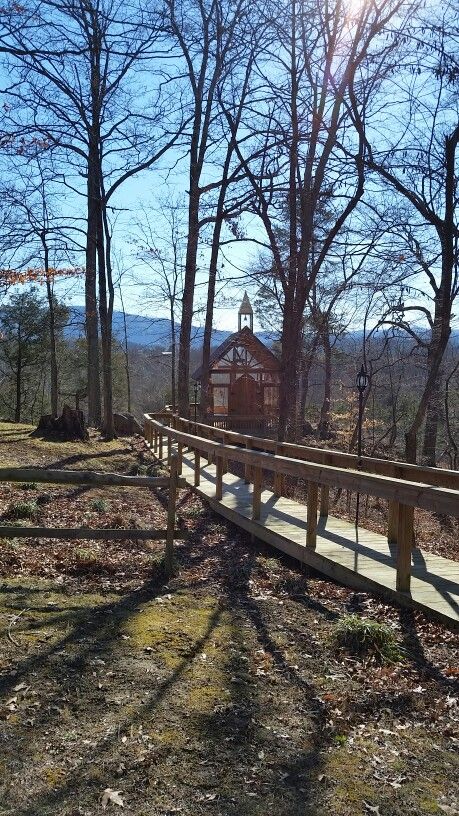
(420,165)
(209,38)
(161,250)
(76,86)
(310,154)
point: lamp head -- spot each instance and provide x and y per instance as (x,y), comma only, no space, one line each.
(362,380)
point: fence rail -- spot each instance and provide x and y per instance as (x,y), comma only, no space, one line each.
(99,479)
(403,486)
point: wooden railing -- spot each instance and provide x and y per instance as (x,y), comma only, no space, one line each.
(404,486)
(96,479)
(261,424)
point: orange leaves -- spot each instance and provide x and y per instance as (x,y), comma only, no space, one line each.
(37,275)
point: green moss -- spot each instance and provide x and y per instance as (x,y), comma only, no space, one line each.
(53,776)
(203,699)
(349,787)
(182,628)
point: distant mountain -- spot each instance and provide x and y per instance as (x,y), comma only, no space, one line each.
(155,331)
(149,331)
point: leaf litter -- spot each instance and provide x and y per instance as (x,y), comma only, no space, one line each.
(220,693)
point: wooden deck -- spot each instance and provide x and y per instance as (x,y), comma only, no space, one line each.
(360,559)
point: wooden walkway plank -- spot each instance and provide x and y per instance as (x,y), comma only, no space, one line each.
(362,559)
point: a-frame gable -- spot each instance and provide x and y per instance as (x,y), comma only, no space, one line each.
(241,349)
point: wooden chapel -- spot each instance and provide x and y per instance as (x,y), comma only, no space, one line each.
(243,379)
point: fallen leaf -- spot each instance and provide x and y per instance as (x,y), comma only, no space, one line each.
(372,808)
(113,796)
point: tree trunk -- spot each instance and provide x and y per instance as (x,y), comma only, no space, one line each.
(106,314)
(52,334)
(324,422)
(433,415)
(92,330)
(187,302)
(207,339)
(173,357)
(440,335)
(126,352)
(17,407)
(291,342)
(441,328)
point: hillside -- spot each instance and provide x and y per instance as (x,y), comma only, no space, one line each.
(221,693)
(148,331)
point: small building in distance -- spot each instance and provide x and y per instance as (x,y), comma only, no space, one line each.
(243,380)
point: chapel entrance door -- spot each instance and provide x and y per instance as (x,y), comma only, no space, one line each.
(244,397)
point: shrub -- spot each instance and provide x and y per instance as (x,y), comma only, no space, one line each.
(28,486)
(21,510)
(366,637)
(100,505)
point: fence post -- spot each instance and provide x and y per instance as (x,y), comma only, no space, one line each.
(180,456)
(311,519)
(219,478)
(160,447)
(324,500)
(225,459)
(197,466)
(404,545)
(247,469)
(278,477)
(173,483)
(256,499)
(208,435)
(392,523)
(169,449)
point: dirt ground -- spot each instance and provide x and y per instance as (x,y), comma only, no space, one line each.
(220,693)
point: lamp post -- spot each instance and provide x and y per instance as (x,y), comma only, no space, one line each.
(195,402)
(362,383)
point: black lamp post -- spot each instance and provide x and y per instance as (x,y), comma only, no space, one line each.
(362,383)
(195,395)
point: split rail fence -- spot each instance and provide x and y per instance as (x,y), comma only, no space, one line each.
(100,479)
(404,486)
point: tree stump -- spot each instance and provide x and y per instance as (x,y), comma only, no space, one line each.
(69,426)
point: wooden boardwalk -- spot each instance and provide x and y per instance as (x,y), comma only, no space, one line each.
(362,559)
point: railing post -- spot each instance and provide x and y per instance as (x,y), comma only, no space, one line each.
(404,545)
(247,468)
(392,523)
(311,519)
(169,552)
(169,449)
(324,500)
(197,468)
(219,478)
(155,441)
(160,446)
(278,477)
(225,461)
(256,498)
(208,435)
(180,456)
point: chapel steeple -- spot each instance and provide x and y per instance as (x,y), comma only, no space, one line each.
(246,312)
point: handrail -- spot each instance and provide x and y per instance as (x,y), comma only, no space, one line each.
(327,456)
(403,495)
